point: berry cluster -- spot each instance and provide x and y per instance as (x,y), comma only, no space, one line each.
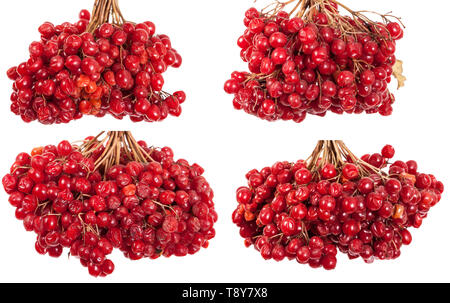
(147,210)
(314,62)
(309,210)
(95,69)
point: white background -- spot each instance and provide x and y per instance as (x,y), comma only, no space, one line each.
(228,143)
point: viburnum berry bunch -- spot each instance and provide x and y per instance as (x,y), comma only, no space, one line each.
(111,193)
(96,66)
(314,60)
(334,201)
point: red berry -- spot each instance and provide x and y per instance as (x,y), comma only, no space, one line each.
(388,152)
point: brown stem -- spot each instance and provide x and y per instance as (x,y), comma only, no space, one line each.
(337,153)
(115,144)
(300,3)
(364,167)
(325,152)
(105,11)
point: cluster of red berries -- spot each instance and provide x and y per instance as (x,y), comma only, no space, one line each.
(116,69)
(297,212)
(162,208)
(299,67)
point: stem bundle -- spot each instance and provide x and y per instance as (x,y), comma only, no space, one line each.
(105,11)
(113,146)
(337,153)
